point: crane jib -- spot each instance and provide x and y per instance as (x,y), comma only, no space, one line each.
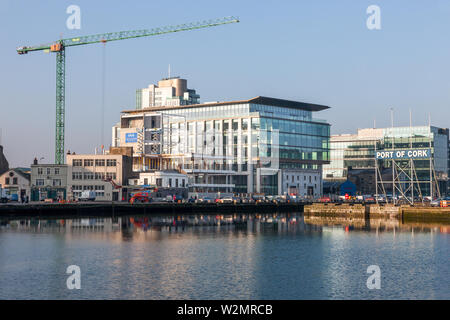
(59,47)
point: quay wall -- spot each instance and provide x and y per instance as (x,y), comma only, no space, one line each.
(120,209)
(388,211)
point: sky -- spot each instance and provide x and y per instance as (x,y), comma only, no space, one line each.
(317,51)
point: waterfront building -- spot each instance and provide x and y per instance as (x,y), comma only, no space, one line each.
(106,174)
(171,91)
(161,179)
(48,181)
(17,182)
(352,156)
(260,145)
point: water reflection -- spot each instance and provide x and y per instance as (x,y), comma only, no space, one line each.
(235,256)
(247,223)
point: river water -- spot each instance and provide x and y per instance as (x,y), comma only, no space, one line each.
(270,256)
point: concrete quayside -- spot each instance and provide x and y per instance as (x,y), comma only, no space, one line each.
(403,212)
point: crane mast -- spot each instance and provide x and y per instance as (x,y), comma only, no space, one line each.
(59,47)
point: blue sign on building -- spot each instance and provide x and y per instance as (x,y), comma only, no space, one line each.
(404,154)
(130,137)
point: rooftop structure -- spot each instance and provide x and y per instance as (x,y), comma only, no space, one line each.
(168,92)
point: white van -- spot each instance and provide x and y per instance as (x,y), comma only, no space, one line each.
(87,195)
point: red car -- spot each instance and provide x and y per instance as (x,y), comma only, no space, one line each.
(325,199)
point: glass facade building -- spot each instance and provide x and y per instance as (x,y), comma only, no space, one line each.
(357,152)
(261,145)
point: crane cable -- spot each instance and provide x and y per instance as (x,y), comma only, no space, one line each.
(103,80)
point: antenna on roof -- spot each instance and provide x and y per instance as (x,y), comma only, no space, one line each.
(169,70)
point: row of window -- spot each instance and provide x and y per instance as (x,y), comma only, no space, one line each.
(14,180)
(77,194)
(93,175)
(77,187)
(48,171)
(298,178)
(55,182)
(91,162)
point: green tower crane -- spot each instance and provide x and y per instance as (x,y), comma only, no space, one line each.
(59,47)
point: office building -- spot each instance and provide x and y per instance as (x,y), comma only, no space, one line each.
(106,174)
(353,156)
(260,145)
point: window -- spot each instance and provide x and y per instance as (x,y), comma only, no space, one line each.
(99,162)
(111,175)
(56,182)
(40,171)
(77,176)
(88,176)
(56,171)
(158,182)
(170,182)
(176,183)
(14,180)
(99,176)
(48,171)
(145,181)
(88,162)
(6,180)
(111,162)
(39,182)
(77,162)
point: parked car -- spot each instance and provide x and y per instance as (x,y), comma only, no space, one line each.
(324,199)
(205,200)
(226,200)
(436,202)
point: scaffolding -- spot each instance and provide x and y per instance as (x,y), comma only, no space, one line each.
(405,182)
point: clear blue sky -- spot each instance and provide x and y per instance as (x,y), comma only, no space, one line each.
(314,51)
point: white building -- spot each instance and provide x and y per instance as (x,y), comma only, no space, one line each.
(16,181)
(168,92)
(164,179)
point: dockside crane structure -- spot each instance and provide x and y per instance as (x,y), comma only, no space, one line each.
(59,47)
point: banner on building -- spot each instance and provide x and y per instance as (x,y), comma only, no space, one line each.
(130,137)
(403,154)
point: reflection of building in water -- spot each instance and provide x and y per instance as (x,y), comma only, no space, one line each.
(95,224)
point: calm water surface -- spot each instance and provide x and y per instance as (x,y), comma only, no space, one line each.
(223,257)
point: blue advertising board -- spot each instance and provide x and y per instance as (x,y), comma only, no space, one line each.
(130,137)
(403,154)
